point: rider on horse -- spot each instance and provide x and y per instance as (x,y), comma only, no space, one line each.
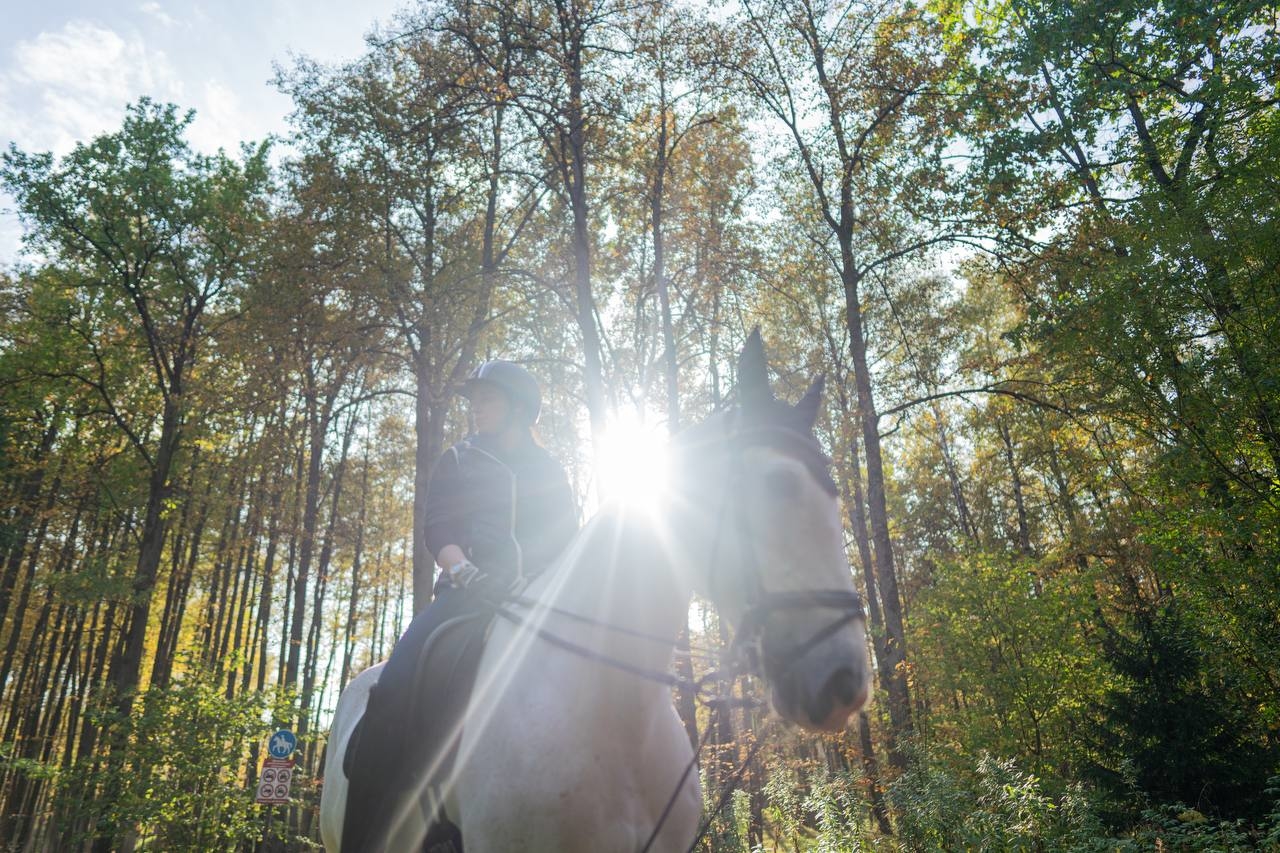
(498,508)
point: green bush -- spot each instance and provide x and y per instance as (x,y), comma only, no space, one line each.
(995,806)
(181,780)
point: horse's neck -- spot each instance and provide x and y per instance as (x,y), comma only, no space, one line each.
(620,573)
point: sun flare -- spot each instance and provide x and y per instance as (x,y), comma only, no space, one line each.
(633,461)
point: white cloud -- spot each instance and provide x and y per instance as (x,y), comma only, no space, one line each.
(65,86)
(155,10)
(221,119)
(72,82)
(69,85)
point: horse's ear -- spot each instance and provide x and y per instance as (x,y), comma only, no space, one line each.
(807,409)
(753,374)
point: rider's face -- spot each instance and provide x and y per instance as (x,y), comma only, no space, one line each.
(490,408)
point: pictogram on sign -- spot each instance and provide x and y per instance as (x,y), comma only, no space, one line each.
(282,744)
(274,781)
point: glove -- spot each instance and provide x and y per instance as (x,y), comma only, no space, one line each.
(463,574)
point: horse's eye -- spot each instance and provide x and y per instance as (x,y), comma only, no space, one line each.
(783,485)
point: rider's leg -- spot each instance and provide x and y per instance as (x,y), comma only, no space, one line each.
(380,760)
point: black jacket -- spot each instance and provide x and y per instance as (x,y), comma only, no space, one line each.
(511,512)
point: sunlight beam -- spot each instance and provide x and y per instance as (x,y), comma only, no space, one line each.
(633,461)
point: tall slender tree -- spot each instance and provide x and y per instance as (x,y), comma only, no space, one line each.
(161,238)
(852,88)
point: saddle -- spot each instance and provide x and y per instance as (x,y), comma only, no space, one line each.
(408,738)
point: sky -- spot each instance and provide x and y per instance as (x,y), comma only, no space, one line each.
(69,67)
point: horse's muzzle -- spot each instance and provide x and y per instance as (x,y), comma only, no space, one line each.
(844,693)
(818,700)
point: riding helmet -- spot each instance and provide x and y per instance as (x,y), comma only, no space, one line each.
(516,382)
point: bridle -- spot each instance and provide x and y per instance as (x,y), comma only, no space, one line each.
(747,652)
(748,638)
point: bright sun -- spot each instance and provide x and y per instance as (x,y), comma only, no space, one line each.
(633,460)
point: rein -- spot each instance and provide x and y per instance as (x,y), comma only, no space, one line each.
(663,677)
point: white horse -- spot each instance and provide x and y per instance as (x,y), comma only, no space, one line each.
(566,751)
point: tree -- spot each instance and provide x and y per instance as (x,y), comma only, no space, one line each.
(158,238)
(564,89)
(1153,294)
(417,132)
(852,88)
(157,241)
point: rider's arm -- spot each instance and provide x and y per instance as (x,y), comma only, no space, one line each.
(445,512)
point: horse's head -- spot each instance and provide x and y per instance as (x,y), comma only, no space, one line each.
(759,514)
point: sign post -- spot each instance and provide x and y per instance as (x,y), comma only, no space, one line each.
(277,769)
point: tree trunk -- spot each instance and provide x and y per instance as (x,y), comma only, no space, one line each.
(871,771)
(576,186)
(175,605)
(593,367)
(322,581)
(26,512)
(262,624)
(967,527)
(357,566)
(893,674)
(318,428)
(28,581)
(250,576)
(128,674)
(291,563)
(671,361)
(230,558)
(852,495)
(1015,477)
(429,433)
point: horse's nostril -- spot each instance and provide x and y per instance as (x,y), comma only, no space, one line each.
(820,707)
(845,686)
(842,693)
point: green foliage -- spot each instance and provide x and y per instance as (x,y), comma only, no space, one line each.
(991,806)
(1178,828)
(728,828)
(946,805)
(1004,657)
(786,804)
(840,813)
(824,813)
(1175,730)
(148,243)
(184,780)
(1140,155)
